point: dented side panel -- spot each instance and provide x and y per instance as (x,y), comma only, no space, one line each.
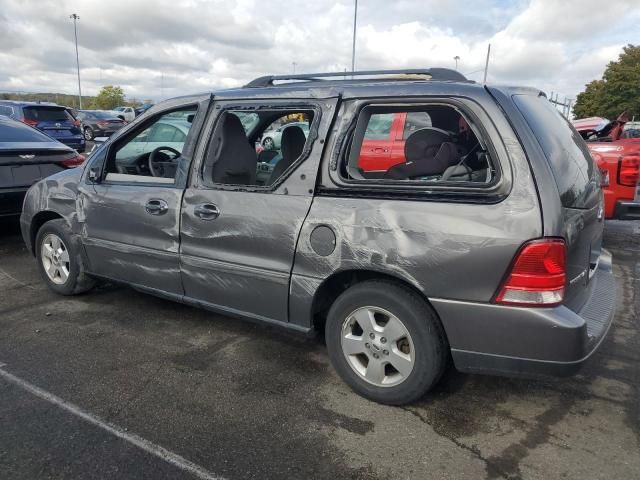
(445,249)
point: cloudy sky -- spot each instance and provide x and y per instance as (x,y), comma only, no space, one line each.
(163,48)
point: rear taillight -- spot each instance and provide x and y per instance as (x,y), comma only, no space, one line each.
(74,162)
(31,122)
(77,123)
(629,170)
(537,276)
(602,167)
(102,124)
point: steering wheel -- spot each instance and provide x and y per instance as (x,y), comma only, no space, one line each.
(156,165)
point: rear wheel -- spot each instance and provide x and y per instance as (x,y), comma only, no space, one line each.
(385,342)
(88,133)
(59,261)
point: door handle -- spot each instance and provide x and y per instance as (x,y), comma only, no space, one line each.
(206,211)
(156,206)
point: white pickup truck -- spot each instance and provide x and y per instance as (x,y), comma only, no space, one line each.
(128,114)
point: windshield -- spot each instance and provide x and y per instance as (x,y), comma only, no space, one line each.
(46,114)
(104,115)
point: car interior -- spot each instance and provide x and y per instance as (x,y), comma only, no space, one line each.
(236,155)
(445,148)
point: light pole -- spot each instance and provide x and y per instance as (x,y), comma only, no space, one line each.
(486,65)
(293,64)
(75,18)
(353,47)
(456,58)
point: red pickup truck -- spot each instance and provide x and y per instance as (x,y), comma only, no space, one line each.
(383,144)
(618,159)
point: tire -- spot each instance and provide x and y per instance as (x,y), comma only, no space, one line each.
(421,356)
(70,278)
(88,133)
(268,143)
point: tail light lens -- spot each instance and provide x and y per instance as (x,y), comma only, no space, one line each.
(31,122)
(537,276)
(629,170)
(74,161)
(102,124)
(602,167)
(77,123)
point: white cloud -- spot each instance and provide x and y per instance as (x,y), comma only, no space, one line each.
(171,47)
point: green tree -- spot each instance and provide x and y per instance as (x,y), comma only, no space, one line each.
(109,97)
(618,91)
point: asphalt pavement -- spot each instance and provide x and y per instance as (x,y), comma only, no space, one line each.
(117,384)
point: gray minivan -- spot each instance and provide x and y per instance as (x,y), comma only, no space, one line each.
(424,217)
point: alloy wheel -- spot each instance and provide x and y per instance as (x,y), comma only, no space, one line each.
(377,346)
(55,259)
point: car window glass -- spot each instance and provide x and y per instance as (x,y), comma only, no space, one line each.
(153,153)
(238,156)
(437,145)
(44,114)
(15,131)
(415,121)
(5,110)
(379,126)
(565,150)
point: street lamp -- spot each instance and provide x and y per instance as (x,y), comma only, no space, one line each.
(353,47)
(456,58)
(75,18)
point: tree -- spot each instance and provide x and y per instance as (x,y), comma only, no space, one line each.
(108,98)
(618,91)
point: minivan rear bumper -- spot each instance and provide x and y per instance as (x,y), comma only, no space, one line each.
(498,339)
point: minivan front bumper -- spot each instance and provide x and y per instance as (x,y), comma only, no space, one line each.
(498,339)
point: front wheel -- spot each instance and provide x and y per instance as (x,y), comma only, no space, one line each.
(59,261)
(385,342)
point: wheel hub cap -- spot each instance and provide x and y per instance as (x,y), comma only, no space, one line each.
(377,346)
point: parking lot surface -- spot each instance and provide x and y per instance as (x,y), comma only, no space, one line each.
(118,384)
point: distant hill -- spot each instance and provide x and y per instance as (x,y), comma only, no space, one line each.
(59,98)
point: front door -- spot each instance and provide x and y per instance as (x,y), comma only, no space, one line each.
(238,237)
(131,212)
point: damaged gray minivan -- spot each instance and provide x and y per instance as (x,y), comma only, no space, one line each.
(419,217)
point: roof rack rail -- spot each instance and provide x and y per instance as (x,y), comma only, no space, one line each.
(443,74)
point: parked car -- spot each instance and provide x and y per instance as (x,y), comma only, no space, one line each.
(271,138)
(142,108)
(99,123)
(49,118)
(125,113)
(27,156)
(617,155)
(483,246)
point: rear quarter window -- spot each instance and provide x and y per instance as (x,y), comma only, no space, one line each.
(564,149)
(18,132)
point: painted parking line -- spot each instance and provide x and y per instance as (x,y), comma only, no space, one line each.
(149,447)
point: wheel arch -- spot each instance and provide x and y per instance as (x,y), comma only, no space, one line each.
(338,282)
(38,220)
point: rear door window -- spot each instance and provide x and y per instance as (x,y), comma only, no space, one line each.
(565,150)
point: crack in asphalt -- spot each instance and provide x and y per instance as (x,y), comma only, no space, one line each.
(474,451)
